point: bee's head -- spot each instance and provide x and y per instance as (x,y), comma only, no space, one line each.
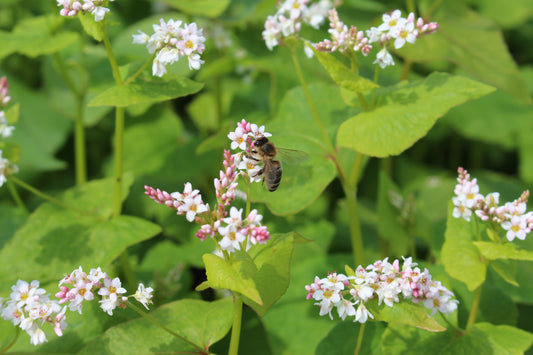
(261,141)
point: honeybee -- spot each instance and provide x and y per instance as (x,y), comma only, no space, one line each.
(265,151)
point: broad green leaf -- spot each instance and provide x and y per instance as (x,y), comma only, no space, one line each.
(342,75)
(342,339)
(294,312)
(40,131)
(295,128)
(145,92)
(11,219)
(199,322)
(32,37)
(273,270)
(507,269)
(474,44)
(236,275)
(496,306)
(493,251)
(55,240)
(392,227)
(208,8)
(526,150)
(408,111)
(506,13)
(481,120)
(95,29)
(399,339)
(460,256)
(482,338)
(10,152)
(405,313)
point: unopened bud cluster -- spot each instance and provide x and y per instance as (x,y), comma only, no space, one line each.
(6,130)
(511,216)
(229,229)
(95,7)
(288,19)
(394,29)
(382,280)
(171,42)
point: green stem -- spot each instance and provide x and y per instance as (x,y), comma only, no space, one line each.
(355,227)
(141,69)
(475,307)
(156,322)
(50,198)
(410,4)
(376,77)
(237,322)
(360,339)
(311,102)
(79,131)
(118,162)
(406,69)
(79,145)
(12,342)
(16,197)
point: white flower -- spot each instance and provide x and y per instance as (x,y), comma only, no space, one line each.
(362,314)
(258,132)
(192,206)
(405,33)
(390,22)
(99,13)
(141,38)
(383,58)
(5,129)
(144,295)
(345,308)
(238,139)
(517,227)
(232,238)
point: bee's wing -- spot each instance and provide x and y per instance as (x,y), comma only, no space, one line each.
(292,156)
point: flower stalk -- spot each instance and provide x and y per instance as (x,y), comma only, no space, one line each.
(237,322)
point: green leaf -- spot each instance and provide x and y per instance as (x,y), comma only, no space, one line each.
(342,75)
(207,8)
(273,270)
(399,339)
(55,240)
(95,29)
(506,269)
(408,112)
(295,128)
(473,43)
(32,37)
(236,275)
(460,256)
(493,251)
(199,322)
(404,313)
(145,92)
(342,339)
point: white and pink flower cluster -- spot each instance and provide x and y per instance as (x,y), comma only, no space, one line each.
(81,287)
(511,216)
(95,7)
(397,30)
(29,307)
(242,139)
(6,130)
(381,280)
(171,42)
(343,39)
(394,29)
(288,19)
(231,232)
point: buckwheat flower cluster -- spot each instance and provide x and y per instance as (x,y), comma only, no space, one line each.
(79,286)
(343,39)
(230,230)
(511,216)
(288,19)
(6,130)
(381,280)
(95,7)
(171,42)
(29,307)
(397,30)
